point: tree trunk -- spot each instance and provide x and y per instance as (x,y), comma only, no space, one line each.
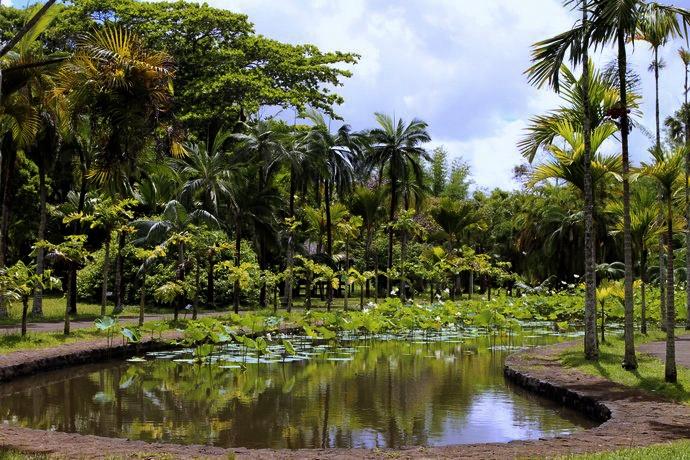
(290,249)
(106,273)
(119,267)
(70,287)
(72,297)
(391,219)
(686,124)
(347,273)
(662,280)
(180,277)
(603,322)
(197,285)
(329,240)
(670,374)
(236,285)
(142,298)
(629,358)
(643,289)
(37,310)
(8,165)
(403,253)
(590,344)
(210,282)
(471,285)
(25,311)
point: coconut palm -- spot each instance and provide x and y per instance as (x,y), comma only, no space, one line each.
(333,153)
(396,149)
(666,171)
(204,169)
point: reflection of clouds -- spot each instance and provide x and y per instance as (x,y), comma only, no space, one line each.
(493,416)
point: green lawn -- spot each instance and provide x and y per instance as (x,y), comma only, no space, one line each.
(54,311)
(648,376)
(679,450)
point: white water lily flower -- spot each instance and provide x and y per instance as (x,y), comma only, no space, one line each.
(268,337)
(446,291)
(576,275)
(437,319)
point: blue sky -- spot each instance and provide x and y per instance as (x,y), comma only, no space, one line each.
(455,63)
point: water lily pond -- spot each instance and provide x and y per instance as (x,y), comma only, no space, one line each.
(446,388)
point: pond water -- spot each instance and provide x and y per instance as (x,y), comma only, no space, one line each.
(388,392)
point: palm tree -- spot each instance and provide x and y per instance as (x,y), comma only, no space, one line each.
(333,153)
(368,203)
(666,170)
(204,171)
(685,57)
(644,227)
(396,148)
(614,22)
(678,127)
(604,22)
(171,228)
(588,101)
(247,207)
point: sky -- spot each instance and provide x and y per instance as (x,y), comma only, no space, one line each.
(457,64)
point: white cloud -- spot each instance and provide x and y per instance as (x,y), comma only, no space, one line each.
(458,64)
(491,158)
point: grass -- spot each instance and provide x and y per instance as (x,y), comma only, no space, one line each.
(54,311)
(648,376)
(679,450)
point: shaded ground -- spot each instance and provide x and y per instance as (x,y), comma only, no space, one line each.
(637,419)
(658,349)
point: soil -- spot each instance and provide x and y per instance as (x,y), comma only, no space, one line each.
(634,418)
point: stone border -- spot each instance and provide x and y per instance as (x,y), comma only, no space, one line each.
(632,418)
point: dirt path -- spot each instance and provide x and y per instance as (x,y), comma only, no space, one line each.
(51,326)
(658,349)
(636,419)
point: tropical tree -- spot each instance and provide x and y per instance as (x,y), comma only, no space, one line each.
(333,153)
(368,203)
(666,171)
(171,228)
(24,280)
(396,149)
(644,227)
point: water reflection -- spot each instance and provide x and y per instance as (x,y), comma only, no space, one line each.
(377,394)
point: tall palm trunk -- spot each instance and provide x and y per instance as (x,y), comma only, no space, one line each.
(670,374)
(180,277)
(142,296)
(686,125)
(37,310)
(289,260)
(629,358)
(590,345)
(391,219)
(643,289)
(662,279)
(106,273)
(329,239)
(210,281)
(119,267)
(236,286)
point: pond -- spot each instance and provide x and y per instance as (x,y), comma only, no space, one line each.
(443,389)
